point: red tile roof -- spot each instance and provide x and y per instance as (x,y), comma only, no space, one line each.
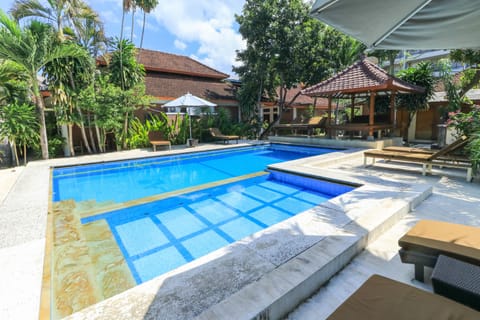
(360,78)
(168,87)
(302,99)
(172,63)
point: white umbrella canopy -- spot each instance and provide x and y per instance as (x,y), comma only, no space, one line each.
(405,24)
(193,105)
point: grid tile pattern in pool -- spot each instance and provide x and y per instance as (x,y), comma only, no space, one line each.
(177,230)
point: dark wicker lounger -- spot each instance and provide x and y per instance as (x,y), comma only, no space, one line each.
(380,298)
(422,244)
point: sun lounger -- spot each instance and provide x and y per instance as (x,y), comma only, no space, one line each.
(442,158)
(380,298)
(218,135)
(428,239)
(157,139)
(308,125)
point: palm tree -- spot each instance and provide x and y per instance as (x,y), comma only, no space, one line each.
(12,86)
(147,6)
(65,15)
(31,48)
(127,5)
(56,12)
(18,125)
(125,72)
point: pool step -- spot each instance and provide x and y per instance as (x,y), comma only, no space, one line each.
(92,208)
(281,290)
(87,263)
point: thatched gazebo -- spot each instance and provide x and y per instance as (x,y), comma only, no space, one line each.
(364,79)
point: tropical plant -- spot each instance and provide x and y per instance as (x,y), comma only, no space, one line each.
(126,73)
(420,75)
(66,77)
(147,6)
(91,36)
(468,123)
(59,13)
(13,87)
(32,48)
(18,124)
(386,55)
(469,57)
(285,48)
(69,18)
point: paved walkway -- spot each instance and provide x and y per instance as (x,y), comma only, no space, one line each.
(452,200)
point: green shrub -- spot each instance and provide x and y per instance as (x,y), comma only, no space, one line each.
(468,124)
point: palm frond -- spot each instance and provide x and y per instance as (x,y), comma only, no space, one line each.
(30,8)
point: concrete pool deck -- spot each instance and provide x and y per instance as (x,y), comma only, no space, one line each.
(252,276)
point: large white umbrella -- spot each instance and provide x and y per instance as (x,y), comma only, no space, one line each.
(405,24)
(192,103)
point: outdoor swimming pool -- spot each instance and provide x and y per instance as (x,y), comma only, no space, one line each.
(126,222)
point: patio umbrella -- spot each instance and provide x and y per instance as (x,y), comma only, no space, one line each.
(405,24)
(193,105)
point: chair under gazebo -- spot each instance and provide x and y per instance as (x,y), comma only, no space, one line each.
(364,80)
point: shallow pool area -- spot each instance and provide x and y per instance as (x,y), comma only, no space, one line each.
(159,236)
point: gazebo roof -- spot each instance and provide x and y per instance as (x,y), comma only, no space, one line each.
(360,79)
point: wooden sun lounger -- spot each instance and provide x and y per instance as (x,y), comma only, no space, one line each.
(308,125)
(440,158)
(157,139)
(381,298)
(218,135)
(428,239)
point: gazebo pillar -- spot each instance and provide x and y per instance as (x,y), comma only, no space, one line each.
(393,116)
(329,117)
(352,110)
(371,114)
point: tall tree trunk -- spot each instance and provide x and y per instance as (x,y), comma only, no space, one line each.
(259,106)
(80,115)
(70,139)
(143,29)
(90,131)
(101,145)
(14,152)
(133,23)
(82,130)
(41,116)
(125,131)
(121,49)
(24,154)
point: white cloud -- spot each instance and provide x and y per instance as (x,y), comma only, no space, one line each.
(210,23)
(179,44)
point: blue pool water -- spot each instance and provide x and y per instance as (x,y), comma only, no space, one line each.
(162,235)
(128,180)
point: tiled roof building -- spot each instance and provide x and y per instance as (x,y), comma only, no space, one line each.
(360,79)
(169,76)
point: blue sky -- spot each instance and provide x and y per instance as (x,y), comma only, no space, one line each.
(204,30)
